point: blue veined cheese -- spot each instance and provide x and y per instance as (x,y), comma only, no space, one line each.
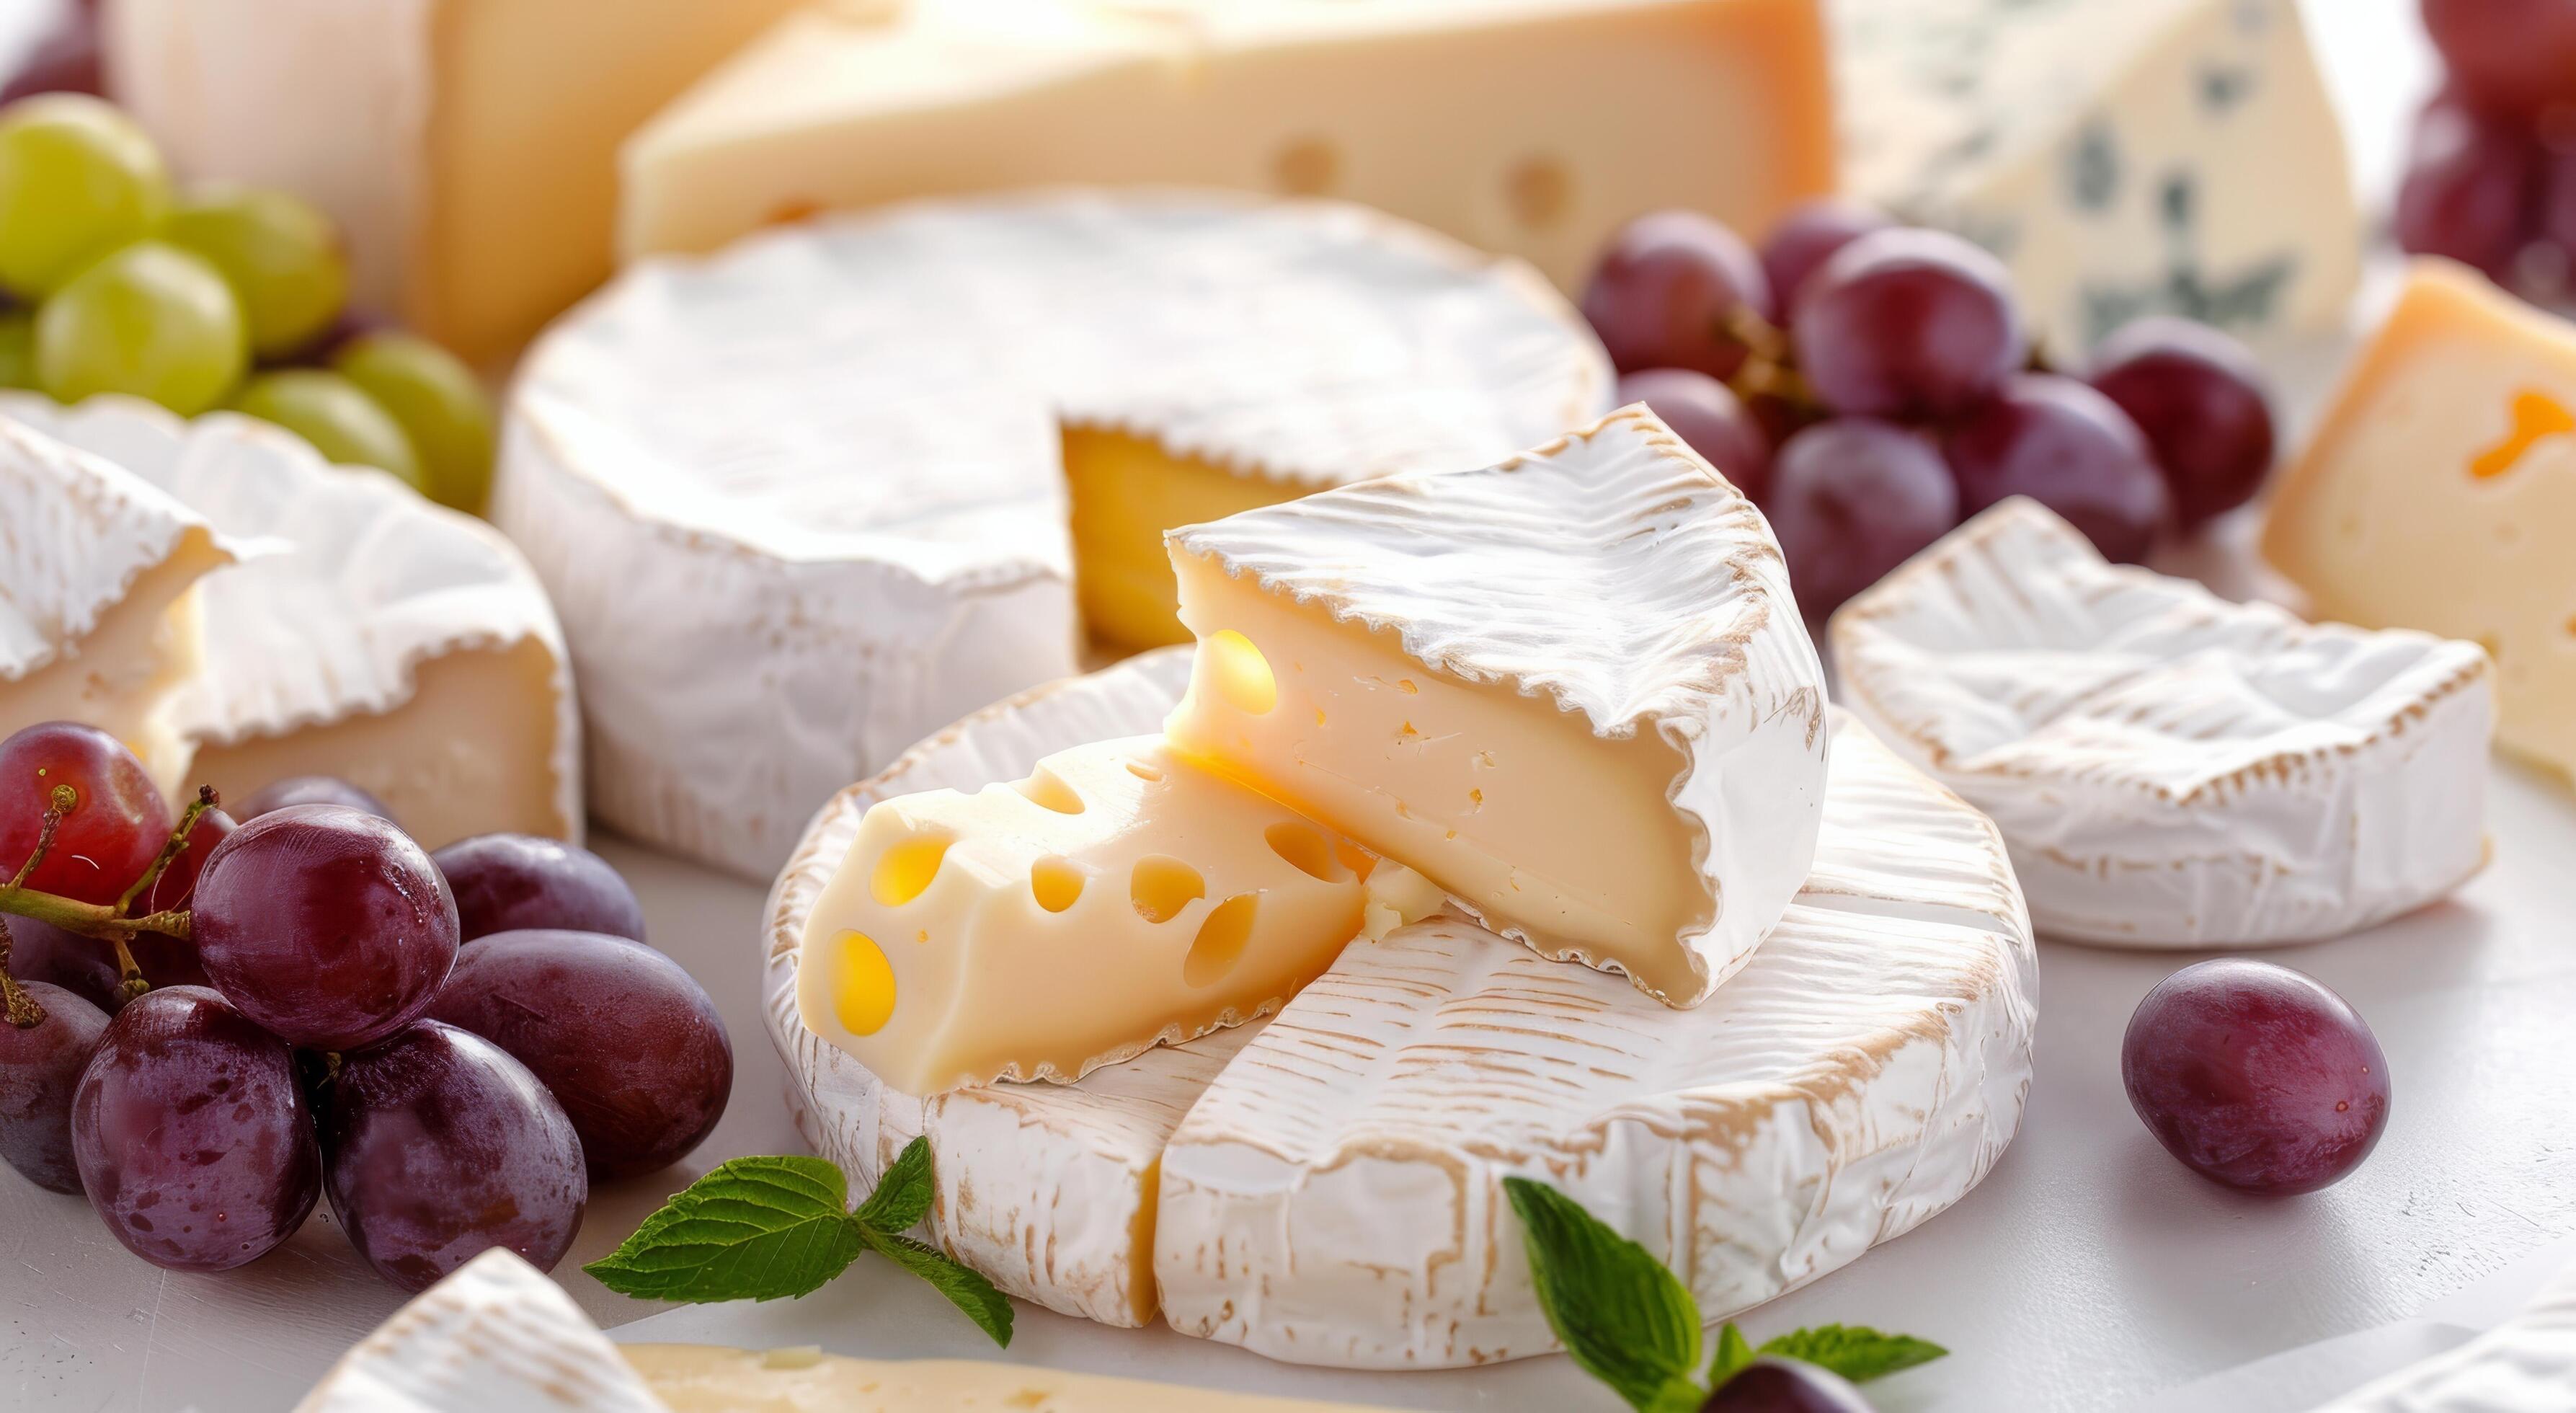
(2123,157)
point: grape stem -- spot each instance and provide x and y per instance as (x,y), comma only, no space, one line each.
(176,845)
(61,802)
(1770,367)
(105,922)
(23,1009)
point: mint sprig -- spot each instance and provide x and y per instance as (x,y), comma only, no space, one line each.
(771,1228)
(1632,1324)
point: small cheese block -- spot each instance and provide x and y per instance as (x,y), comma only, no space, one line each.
(2171,769)
(1117,898)
(2436,491)
(1525,127)
(698,1378)
(495,1336)
(2124,157)
(101,620)
(1571,689)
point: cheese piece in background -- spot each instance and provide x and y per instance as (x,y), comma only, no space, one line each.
(1117,898)
(467,148)
(1525,127)
(101,619)
(699,1378)
(2438,490)
(2123,157)
(494,1336)
(1571,689)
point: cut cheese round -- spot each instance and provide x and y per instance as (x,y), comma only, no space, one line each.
(806,500)
(370,635)
(1326,1188)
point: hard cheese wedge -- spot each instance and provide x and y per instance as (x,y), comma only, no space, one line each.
(2436,489)
(697,1378)
(1572,690)
(1116,898)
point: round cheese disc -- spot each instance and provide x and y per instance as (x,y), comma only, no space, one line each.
(808,499)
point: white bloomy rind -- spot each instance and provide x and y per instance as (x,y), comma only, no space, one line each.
(2171,769)
(2525,1365)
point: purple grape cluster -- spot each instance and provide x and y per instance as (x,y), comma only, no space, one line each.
(2491,170)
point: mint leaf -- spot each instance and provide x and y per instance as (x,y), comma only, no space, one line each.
(752,1229)
(902,1197)
(1626,1320)
(965,1289)
(1856,1352)
(1733,1353)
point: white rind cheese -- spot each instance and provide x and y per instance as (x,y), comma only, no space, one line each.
(801,503)
(375,637)
(2124,157)
(697,1378)
(2525,1365)
(495,1336)
(2171,769)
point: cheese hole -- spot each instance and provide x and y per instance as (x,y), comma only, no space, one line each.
(1307,167)
(1358,860)
(1162,885)
(1048,790)
(1221,940)
(1242,675)
(1539,191)
(1056,882)
(864,1000)
(1143,771)
(903,871)
(1307,850)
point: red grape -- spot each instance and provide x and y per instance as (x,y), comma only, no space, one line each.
(311,790)
(1908,324)
(2471,182)
(84,966)
(1852,499)
(2202,402)
(193,1137)
(624,1038)
(328,926)
(167,961)
(1770,1385)
(1709,416)
(2256,1076)
(1665,289)
(439,1147)
(2557,223)
(1807,237)
(64,61)
(2514,55)
(115,828)
(2069,448)
(510,882)
(40,1068)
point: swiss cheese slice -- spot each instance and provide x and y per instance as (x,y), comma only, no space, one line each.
(1571,689)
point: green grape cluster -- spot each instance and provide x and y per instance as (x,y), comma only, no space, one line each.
(114,281)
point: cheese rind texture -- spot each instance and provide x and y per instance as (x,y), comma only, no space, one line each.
(1116,898)
(495,1336)
(697,1378)
(2434,489)
(804,502)
(1571,689)
(1525,127)
(2525,1365)
(2171,769)
(2124,157)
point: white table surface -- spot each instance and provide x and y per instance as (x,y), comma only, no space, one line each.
(2087,1273)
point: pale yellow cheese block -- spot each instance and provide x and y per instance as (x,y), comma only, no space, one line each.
(1123,492)
(698,1378)
(2439,490)
(124,674)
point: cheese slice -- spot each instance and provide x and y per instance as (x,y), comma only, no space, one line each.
(2525,1365)
(806,501)
(2124,157)
(2171,769)
(2430,494)
(1572,690)
(472,172)
(697,1378)
(1527,127)
(382,639)
(101,619)
(494,1336)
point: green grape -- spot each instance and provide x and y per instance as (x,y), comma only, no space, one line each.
(282,256)
(438,402)
(342,422)
(18,349)
(77,179)
(151,320)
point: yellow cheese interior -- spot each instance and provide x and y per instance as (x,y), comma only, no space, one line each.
(1502,800)
(1116,897)
(697,1378)
(1125,492)
(125,673)
(2439,490)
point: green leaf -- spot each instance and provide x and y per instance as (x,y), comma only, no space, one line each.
(902,1197)
(965,1289)
(1733,1353)
(1626,1320)
(1856,1352)
(753,1229)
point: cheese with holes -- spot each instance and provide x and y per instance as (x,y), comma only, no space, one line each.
(466,148)
(1333,1198)
(376,637)
(1116,898)
(2171,769)
(101,619)
(494,1336)
(697,1378)
(1571,689)
(803,502)
(1526,127)
(2124,157)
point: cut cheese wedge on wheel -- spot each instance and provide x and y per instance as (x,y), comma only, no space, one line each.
(1325,1187)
